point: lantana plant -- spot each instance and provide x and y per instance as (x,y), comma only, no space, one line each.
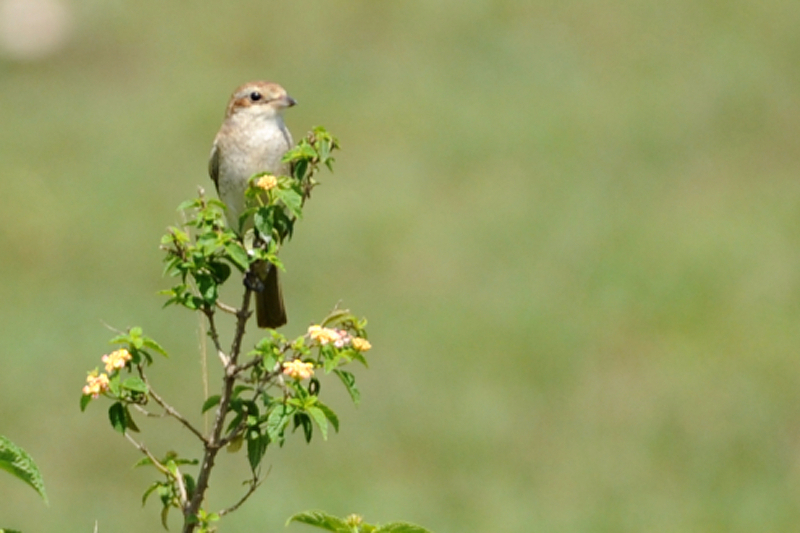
(267,391)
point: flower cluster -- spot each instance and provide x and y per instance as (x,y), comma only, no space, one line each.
(297,369)
(338,337)
(97,383)
(116,360)
(266,182)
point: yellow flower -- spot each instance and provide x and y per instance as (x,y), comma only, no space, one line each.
(323,335)
(298,370)
(267,182)
(116,360)
(96,384)
(362,345)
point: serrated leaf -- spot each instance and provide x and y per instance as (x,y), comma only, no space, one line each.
(19,464)
(135,384)
(238,255)
(116,415)
(211,402)
(292,200)
(153,345)
(349,381)
(256,447)
(330,415)
(321,520)
(121,419)
(262,220)
(277,421)
(319,417)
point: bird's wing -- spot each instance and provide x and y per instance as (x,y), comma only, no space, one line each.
(213,165)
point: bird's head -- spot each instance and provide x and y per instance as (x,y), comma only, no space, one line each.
(259,98)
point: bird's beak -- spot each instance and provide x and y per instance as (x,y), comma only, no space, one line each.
(289,101)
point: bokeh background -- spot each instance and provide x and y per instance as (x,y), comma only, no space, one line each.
(573,227)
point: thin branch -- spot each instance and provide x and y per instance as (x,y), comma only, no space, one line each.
(181,488)
(147,413)
(226,308)
(171,411)
(212,332)
(142,448)
(177,476)
(254,484)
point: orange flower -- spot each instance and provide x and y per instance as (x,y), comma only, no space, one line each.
(116,360)
(362,345)
(297,369)
(96,384)
(267,182)
(323,335)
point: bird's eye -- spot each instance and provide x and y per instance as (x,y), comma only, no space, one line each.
(255,96)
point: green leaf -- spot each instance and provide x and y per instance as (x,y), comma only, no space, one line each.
(144,461)
(19,464)
(238,255)
(10,531)
(129,423)
(349,381)
(190,484)
(262,220)
(187,204)
(153,345)
(135,335)
(401,527)
(319,417)
(236,444)
(292,200)
(211,402)
(149,491)
(121,418)
(304,421)
(256,447)
(85,399)
(135,384)
(164,516)
(330,415)
(277,421)
(321,520)
(116,414)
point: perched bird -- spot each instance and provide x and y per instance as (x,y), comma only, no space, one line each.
(253,138)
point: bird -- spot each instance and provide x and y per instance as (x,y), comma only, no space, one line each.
(253,138)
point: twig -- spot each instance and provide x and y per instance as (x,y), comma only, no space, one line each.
(147,413)
(171,411)
(142,448)
(254,484)
(212,331)
(227,308)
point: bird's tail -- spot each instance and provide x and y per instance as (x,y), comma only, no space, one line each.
(270,312)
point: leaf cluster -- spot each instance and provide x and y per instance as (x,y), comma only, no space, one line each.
(352,524)
(21,465)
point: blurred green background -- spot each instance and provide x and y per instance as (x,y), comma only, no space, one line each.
(572,225)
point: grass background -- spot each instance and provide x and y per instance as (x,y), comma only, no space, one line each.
(572,225)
